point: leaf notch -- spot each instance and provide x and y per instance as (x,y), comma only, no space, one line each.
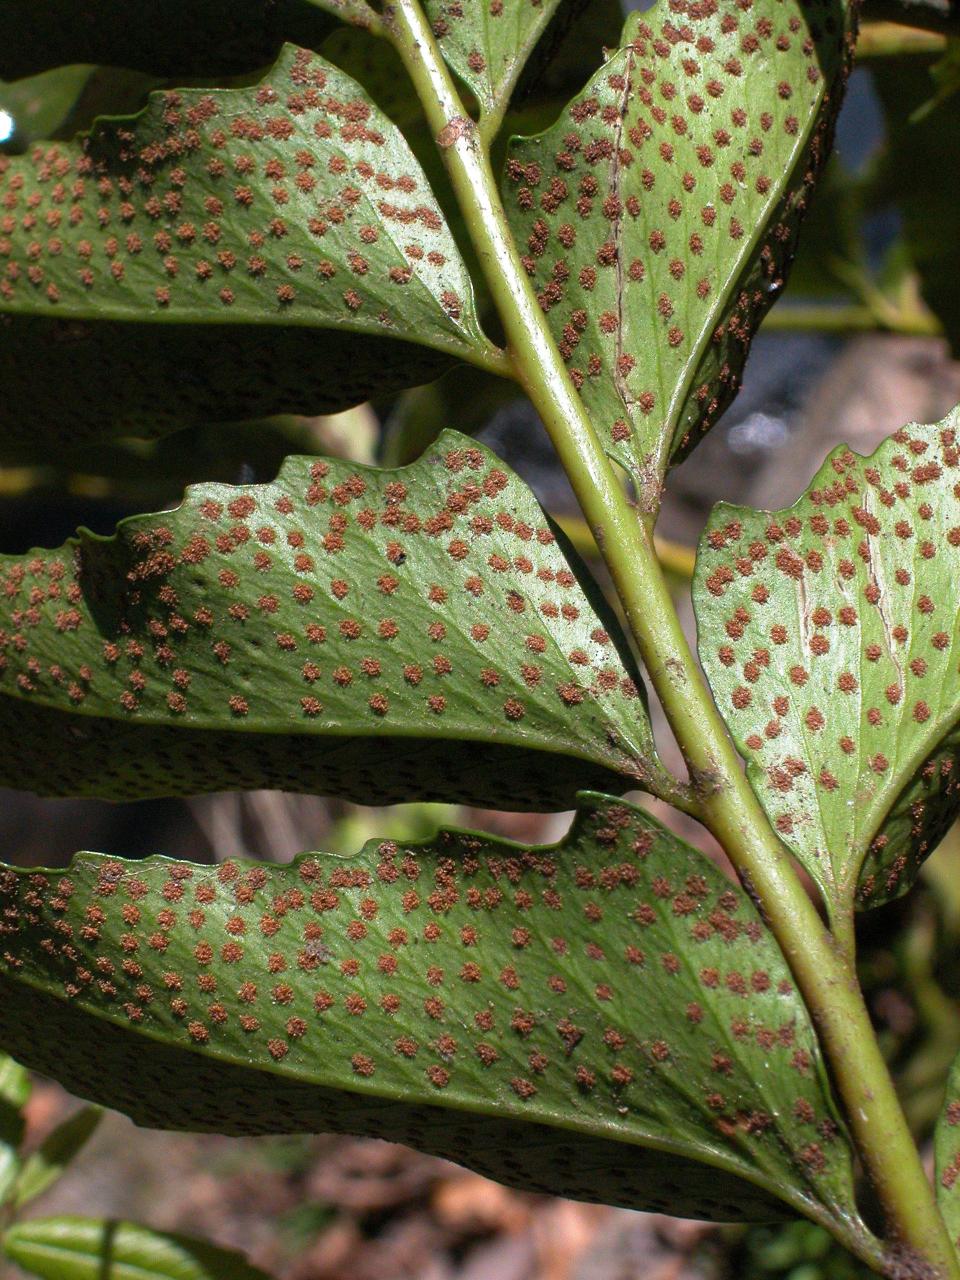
(341,630)
(830,638)
(467,996)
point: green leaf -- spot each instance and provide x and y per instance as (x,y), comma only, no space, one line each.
(55,1154)
(14,1084)
(344,629)
(488,42)
(38,106)
(946,1146)
(14,1092)
(917,176)
(606,1018)
(70,1248)
(165,37)
(659,214)
(945,74)
(9,1170)
(829,633)
(376,65)
(173,267)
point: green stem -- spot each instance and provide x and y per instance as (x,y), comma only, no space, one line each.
(727,803)
(677,559)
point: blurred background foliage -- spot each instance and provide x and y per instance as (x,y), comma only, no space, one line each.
(867,337)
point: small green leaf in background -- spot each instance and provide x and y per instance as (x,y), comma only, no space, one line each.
(14,1092)
(14,1086)
(945,74)
(467,396)
(666,201)
(38,106)
(919,177)
(55,1154)
(192,249)
(947,1155)
(606,1018)
(9,1170)
(829,632)
(831,253)
(792,1251)
(380,635)
(91,1249)
(66,101)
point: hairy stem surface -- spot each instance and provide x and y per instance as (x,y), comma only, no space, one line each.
(727,804)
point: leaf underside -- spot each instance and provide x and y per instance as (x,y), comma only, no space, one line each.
(946,1145)
(219,228)
(659,214)
(499,1005)
(487,43)
(829,633)
(385,635)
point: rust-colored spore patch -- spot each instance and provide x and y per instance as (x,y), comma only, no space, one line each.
(666,201)
(829,633)
(487,42)
(512,984)
(292,203)
(341,629)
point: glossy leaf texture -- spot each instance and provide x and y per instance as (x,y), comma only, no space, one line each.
(606,1018)
(488,42)
(381,635)
(175,267)
(163,37)
(829,633)
(658,215)
(71,1248)
(946,1145)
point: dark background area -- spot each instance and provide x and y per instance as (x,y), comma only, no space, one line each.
(336,1208)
